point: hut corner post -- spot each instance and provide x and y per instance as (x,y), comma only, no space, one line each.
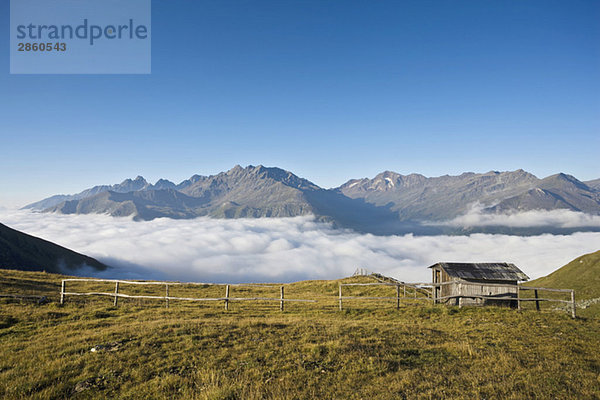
(281,301)
(573,305)
(62,292)
(434,287)
(433,282)
(226,297)
(340,297)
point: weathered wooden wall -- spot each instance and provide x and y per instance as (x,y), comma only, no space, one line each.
(483,288)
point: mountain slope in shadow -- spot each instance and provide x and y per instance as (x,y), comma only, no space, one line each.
(24,252)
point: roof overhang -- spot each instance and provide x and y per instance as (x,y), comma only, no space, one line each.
(487,271)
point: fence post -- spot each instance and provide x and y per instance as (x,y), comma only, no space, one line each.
(340,297)
(573,303)
(167,294)
(226,297)
(116,302)
(281,301)
(404,286)
(518,297)
(397,297)
(62,292)
(537,303)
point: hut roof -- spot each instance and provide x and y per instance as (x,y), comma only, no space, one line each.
(491,271)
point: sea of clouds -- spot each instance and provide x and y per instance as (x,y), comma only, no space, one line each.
(535,218)
(281,249)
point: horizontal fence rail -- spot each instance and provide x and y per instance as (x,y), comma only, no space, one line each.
(404,292)
(169,283)
(517,290)
(429,290)
(416,289)
(226,299)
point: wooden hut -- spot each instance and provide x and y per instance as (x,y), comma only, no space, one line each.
(476,283)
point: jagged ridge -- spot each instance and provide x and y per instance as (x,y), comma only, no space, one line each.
(373,205)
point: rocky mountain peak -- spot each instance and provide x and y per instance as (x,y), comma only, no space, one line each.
(236,169)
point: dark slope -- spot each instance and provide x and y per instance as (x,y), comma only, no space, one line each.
(29,253)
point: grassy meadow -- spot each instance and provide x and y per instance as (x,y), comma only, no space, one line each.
(371,350)
(583,275)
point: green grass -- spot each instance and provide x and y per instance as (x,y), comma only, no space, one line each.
(582,275)
(310,351)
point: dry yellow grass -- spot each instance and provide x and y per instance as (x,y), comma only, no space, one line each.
(253,351)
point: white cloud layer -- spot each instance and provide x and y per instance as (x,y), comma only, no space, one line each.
(535,218)
(282,250)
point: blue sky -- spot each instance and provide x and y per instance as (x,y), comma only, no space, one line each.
(330,90)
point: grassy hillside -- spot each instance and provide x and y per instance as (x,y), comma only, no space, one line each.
(581,274)
(310,351)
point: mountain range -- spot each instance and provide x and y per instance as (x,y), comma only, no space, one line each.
(388,203)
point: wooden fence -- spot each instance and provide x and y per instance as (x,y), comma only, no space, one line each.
(226,299)
(537,300)
(404,291)
(516,288)
(414,289)
(428,289)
